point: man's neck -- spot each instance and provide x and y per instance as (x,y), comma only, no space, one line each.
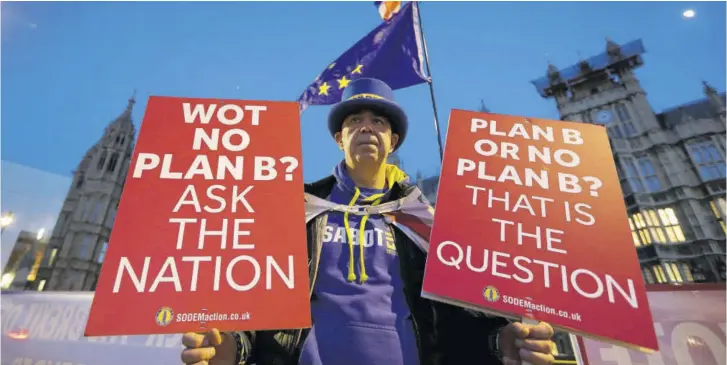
(369,176)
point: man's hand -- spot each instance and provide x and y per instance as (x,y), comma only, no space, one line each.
(211,348)
(521,342)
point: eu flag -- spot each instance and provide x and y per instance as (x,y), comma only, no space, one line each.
(392,53)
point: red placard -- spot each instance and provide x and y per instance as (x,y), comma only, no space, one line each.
(530,222)
(210,232)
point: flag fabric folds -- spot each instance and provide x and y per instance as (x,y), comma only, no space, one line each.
(392,53)
(387,9)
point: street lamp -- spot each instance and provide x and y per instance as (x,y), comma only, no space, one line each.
(6,219)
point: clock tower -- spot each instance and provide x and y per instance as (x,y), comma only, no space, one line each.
(603,90)
(671,165)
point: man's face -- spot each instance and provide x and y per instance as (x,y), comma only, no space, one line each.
(366,136)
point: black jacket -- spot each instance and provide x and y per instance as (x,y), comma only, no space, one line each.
(446,335)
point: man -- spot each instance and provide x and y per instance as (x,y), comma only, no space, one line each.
(366,268)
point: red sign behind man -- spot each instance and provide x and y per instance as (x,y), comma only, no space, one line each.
(530,222)
(210,231)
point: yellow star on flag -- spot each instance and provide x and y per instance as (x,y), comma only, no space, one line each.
(357,70)
(343,82)
(323,89)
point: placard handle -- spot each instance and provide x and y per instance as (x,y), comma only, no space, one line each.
(531,322)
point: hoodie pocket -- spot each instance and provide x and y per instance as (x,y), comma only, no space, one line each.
(356,343)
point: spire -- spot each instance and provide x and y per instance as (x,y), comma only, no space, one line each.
(483,108)
(708,89)
(125,116)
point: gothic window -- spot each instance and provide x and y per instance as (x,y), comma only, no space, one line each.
(632,175)
(625,118)
(628,129)
(634,233)
(708,160)
(112,162)
(649,174)
(79,182)
(84,250)
(95,210)
(623,113)
(675,276)
(102,253)
(659,273)
(656,226)
(614,130)
(52,256)
(648,276)
(101,160)
(687,272)
(719,207)
(122,140)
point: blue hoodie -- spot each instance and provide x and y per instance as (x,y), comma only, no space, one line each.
(360,314)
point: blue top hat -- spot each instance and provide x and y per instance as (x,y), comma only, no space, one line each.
(373,94)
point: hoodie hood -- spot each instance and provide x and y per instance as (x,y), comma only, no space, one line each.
(345,183)
(362,196)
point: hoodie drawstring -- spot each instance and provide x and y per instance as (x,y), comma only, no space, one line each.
(393,175)
(376,198)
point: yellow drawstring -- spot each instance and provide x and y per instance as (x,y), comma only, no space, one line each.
(361,237)
(393,175)
(349,238)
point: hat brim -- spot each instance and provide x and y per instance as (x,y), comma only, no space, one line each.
(392,111)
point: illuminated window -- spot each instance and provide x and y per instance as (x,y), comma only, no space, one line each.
(708,160)
(673,270)
(718,208)
(655,226)
(659,273)
(671,225)
(687,271)
(634,233)
(648,276)
(52,258)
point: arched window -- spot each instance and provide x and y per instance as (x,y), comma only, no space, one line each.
(101,160)
(112,162)
(623,113)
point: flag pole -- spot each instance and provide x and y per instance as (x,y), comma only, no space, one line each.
(430,82)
